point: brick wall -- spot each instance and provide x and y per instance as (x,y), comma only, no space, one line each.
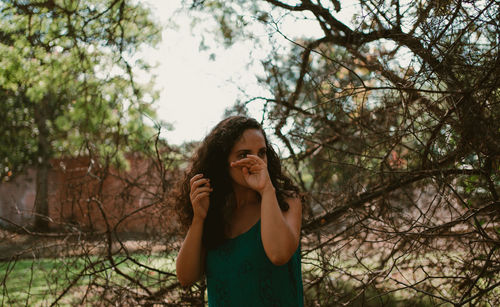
(87,197)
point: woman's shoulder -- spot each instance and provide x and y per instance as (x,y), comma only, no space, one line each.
(294,200)
(292,197)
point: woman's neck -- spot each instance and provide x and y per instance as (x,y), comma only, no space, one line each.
(245,196)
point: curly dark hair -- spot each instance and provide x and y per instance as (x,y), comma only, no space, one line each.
(210,160)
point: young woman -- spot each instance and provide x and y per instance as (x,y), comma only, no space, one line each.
(244,218)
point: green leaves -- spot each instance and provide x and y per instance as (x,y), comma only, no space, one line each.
(65,62)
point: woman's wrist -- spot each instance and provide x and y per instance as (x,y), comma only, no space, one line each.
(197,220)
(268,188)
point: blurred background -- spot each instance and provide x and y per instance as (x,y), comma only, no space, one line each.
(385,113)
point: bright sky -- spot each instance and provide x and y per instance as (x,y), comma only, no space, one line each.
(195,90)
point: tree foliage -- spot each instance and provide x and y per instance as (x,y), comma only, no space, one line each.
(67,80)
(67,84)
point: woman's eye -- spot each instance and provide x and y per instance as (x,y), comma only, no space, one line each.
(262,154)
(242,156)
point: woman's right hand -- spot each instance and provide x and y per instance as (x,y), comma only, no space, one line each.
(200,195)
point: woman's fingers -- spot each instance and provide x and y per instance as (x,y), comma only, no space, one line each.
(197,191)
(255,158)
(249,165)
(249,161)
(199,186)
(198,181)
(257,169)
(194,178)
(244,161)
(200,196)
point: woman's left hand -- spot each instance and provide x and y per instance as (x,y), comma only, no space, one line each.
(255,172)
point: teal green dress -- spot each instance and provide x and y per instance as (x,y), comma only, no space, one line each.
(240,274)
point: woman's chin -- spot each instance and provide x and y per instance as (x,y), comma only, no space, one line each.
(241,185)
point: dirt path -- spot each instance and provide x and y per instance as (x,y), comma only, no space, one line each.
(15,246)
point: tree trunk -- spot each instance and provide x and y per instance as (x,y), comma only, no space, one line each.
(42,195)
(43,165)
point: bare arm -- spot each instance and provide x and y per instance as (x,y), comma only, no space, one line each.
(280,231)
(190,263)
